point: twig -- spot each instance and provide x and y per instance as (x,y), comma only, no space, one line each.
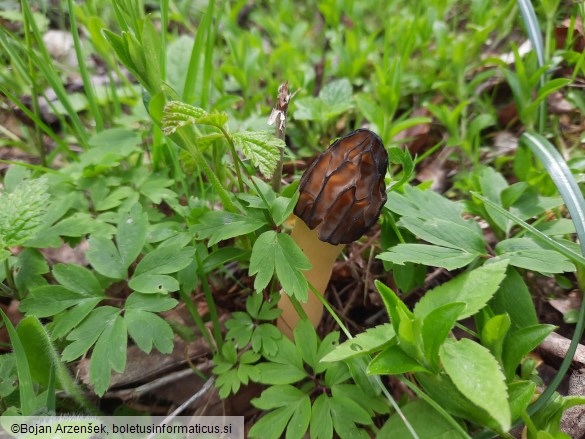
(278,116)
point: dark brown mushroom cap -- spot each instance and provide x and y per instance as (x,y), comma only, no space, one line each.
(343,191)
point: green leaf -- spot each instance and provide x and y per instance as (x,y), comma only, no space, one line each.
(445,233)
(277,252)
(131,234)
(49,300)
(28,269)
(87,333)
(65,322)
(219,225)
(425,420)
(110,147)
(525,253)
(431,255)
(520,394)
(147,329)
(519,343)
(104,258)
(372,340)
(153,283)
(337,96)
(273,373)
(282,207)
(428,205)
(492,185)
(177,115)
(306,341)
(165,260)
(436,327)
(23,211)
(150,302)
(272,425)
(393,305)
(474,288)
(266,339)
(477,375)
(494,333)
(261,147)
(321,421)
(561,248)
(393,361)
(109,353)
(514,298)
(78,279)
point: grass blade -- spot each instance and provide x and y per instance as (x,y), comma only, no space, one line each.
(532,28)
(569,190)
(87,85)
(563,179)
(25,384)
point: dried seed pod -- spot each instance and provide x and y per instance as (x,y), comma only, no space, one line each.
(343,191)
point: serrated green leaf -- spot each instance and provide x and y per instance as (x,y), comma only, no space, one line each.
(474,288)
(23,211)
(278,253)
(477,375)
(525,253)
(178,114)
(367,342)
(261,147)
(105,258)
(147,329)
(219,225)
(445,233)
(431,255)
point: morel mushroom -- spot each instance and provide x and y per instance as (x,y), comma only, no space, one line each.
(341,196)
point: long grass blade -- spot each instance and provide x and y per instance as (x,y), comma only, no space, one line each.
(569,189)
(87,85)
(25,383)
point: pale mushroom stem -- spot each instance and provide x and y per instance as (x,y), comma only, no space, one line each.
(322,256)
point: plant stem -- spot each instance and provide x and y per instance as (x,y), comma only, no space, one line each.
(278,117)
(210,302)
(192,308)
(235,158)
